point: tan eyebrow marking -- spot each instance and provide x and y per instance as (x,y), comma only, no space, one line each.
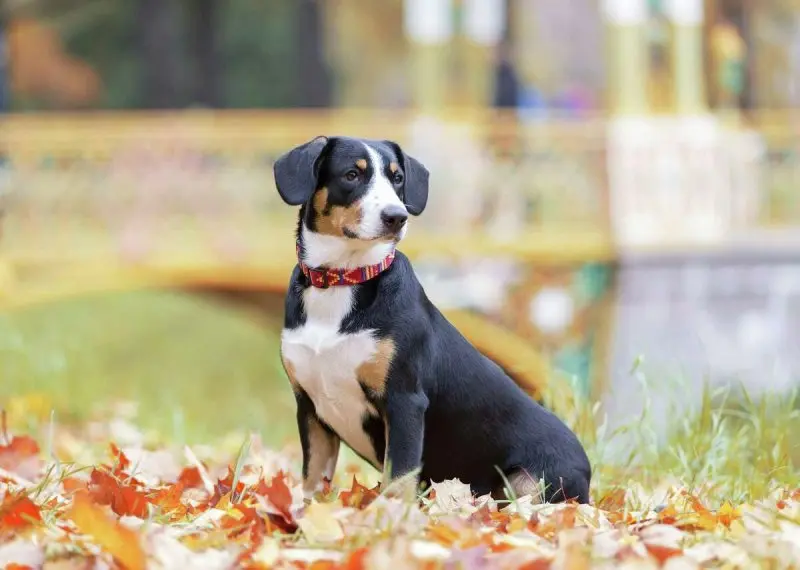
(394,167)
(361,163)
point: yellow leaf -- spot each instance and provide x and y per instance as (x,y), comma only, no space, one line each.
(728,513)
(122,543)
(319,523)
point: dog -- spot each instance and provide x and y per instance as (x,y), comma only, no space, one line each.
(373,362)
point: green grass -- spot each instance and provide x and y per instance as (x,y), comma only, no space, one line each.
(197,369)
(201,371)
(729,445)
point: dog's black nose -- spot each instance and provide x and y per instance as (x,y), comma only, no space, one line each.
(393,218)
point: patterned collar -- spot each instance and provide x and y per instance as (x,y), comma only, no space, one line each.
(324,278)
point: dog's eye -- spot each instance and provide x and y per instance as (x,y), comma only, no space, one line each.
(397,178)
(351,175)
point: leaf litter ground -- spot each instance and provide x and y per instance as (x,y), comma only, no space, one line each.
(103,496)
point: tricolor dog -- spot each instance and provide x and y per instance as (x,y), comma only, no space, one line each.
(371,360)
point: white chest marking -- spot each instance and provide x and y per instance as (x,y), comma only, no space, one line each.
(325,364)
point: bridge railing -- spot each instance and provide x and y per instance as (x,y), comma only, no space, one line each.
(199,186)
(83,187)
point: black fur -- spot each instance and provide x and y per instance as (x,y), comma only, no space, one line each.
(450,410)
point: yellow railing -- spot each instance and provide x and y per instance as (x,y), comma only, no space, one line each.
(81,184)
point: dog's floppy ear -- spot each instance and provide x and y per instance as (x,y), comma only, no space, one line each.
(296,171)
(416,185)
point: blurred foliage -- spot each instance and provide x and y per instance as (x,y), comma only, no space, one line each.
(196,368)
(256,47)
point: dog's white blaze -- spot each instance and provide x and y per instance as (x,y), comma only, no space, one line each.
(325,363)
(380,194)
(343,253)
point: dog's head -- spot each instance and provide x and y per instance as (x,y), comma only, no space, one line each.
(353,189)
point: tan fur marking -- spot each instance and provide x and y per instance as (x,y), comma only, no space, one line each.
(289,368)
(361,163)
(394,167)
(332,220)
(374,372)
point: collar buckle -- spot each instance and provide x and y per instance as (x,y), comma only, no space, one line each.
(326,283)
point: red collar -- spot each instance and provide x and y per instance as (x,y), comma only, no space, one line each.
(324,278)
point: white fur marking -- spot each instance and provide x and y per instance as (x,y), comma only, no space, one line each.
(380,195)
(325,363)
(342,253)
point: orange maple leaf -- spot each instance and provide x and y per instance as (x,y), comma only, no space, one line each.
(190,478)
(224,487)
(355,561)
(662,553)
(540,564)
(72,484)
(613,501)
(705,518)
(123,499)
(443,534)
(728,513)
(18,512)
(359,496)
(121,461)
(668,515)
(14,450)
(168,500)
(277,493)
(122,543)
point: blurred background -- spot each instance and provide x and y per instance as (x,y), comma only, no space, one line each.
(614,186)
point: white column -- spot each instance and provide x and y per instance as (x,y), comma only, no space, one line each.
(429,27)
(687,55)
(627,56)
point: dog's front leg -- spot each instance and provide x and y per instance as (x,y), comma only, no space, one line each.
(405,431)
(320,447)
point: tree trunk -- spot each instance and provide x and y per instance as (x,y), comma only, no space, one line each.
(313,77)
(158,26)
(203,43)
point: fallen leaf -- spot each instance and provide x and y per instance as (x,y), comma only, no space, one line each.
(612,501)
(278,495)
(451,496)
(358,496)
(662,553)
(19,454)
(319,524)
(190,478)
(18,512)
(728,513)
(168,500)
(122,543)
(124,499)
